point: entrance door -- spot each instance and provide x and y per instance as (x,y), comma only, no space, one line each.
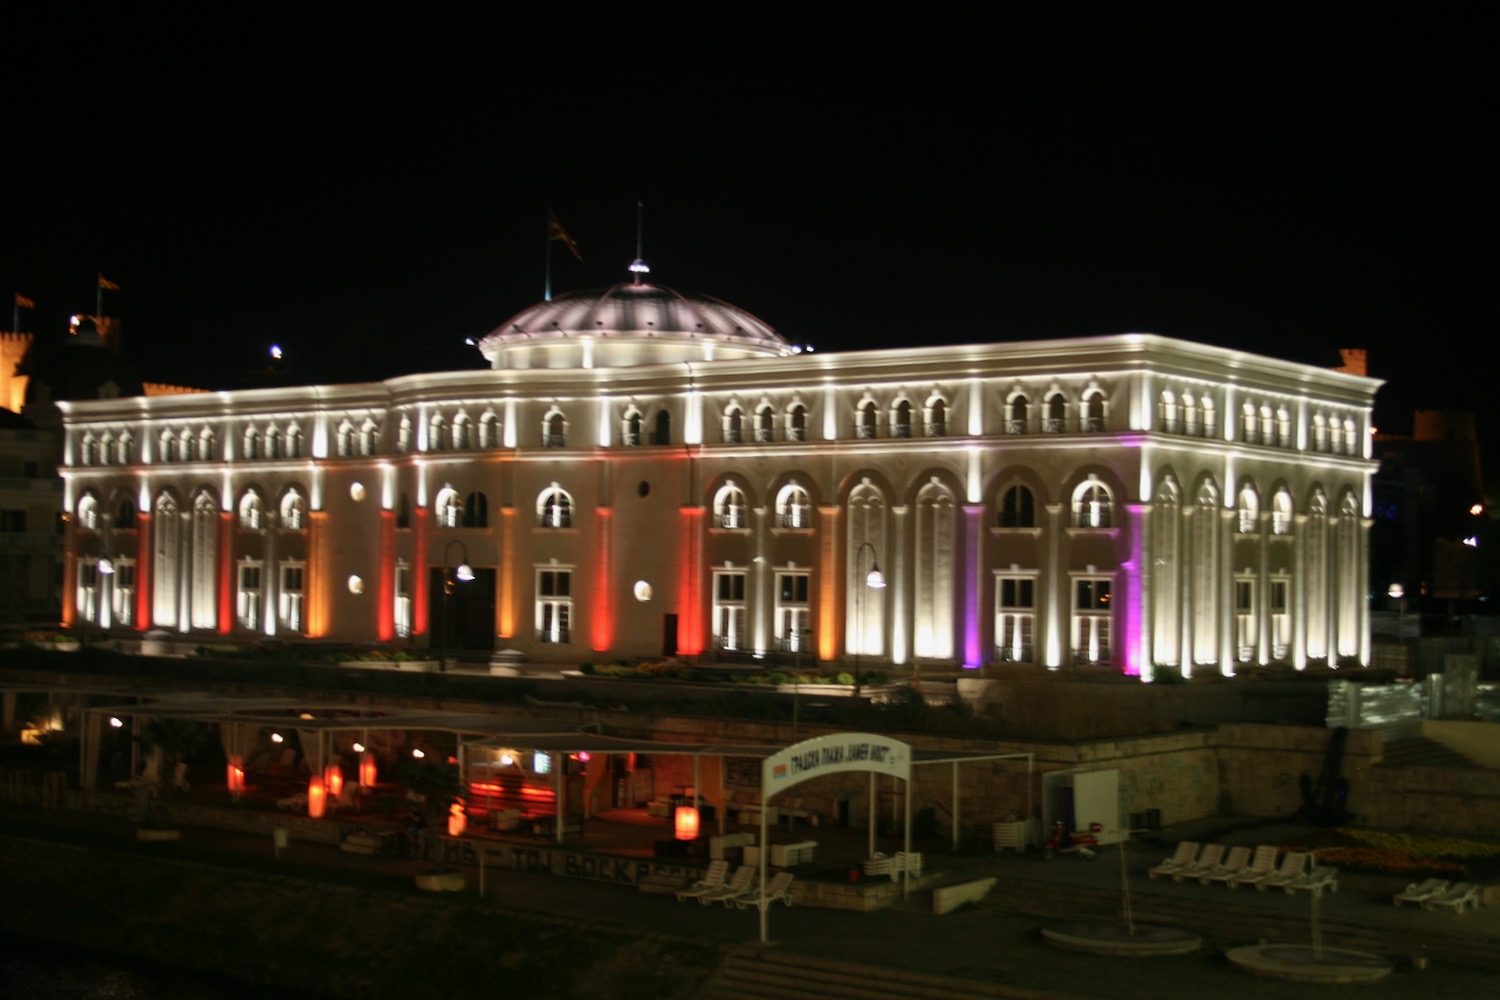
(471,611)
(669,635)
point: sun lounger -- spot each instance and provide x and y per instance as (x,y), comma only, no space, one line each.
(1419,891)
(1457,896)
(780,887)
(1320,878)
(1208,860)
(1238,858)
(1262,864)
(1292,867)
(1185,855)
(712,879)
(738,885)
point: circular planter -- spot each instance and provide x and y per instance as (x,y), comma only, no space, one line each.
(441,881)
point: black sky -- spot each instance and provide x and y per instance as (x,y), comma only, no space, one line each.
(369,191)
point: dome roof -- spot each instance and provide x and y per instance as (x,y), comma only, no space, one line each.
(661,319)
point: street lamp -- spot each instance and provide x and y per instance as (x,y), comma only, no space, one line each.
(453,574)
(874,580)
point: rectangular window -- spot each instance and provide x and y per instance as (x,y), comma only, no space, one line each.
(1015,616)
(88,590)
(1091,619)
(249,597)
(1244,618)
(554,604)
(1281,619)
(122,592)
(729,609)
(792,612)
(403,600)
(290,597)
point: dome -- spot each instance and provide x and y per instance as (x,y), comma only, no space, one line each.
(632,323)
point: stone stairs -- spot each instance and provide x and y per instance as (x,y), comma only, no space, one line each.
(769,974)
(1419,751)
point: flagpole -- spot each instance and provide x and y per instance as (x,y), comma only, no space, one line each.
(547,286)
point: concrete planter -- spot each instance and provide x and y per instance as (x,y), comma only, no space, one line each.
(154,835)
(409,666)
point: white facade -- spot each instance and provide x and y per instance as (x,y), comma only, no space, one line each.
(641,472)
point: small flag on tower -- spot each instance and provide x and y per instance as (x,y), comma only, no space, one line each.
(555,231)
(22,302)
(105,285)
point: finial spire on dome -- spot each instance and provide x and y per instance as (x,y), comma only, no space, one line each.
(638,266)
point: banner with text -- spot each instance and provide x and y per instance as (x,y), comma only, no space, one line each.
(829,754)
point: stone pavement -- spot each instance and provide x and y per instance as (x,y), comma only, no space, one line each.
(996,941)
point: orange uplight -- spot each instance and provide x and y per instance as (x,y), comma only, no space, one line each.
(457,820)
(317,797)
(367,770)
(333,777)
(235,774)
(686,823)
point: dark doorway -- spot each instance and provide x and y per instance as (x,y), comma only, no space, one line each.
(668,635)
(471,611)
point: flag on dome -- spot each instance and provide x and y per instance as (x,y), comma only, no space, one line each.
(106,285)
(555,231)
(22,302)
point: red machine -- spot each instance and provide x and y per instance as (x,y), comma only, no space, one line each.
(1080,842)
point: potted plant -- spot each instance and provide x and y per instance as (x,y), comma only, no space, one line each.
(170,742)
(434,785)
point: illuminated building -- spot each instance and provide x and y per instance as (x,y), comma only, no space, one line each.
(641,472)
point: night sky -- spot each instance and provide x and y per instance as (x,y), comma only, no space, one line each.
(369,192)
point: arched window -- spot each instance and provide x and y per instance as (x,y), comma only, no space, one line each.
(936,603)
(554,508)
(1267,425)
(166,567)
(187,446)
(447,509)
(436,440)
(937,418)
(403,435)
(1092,416)
(1190,420)
(489,431)
(630,428)
(1093,507)
(476,512)
(251,510)
(1281,513)
(1350,437)
(1018,508)
(125,514)
(901,420)
(273,442)
(793,507)
(765,423)
(90,450)
(167,447)
(1210,417)
(346,440)
(204,605)
(125,449)
(1056,421)
(796,423)
(1283,428)
(865,420)
(251,443)
(554,430)
(730,508)
(662,433)
(88,513)
(1247,424)
(1017,414)
(369,438)
(293,511)
(294,441)
(1171,416)
(734,418)
(106,448)
(461,428)
(1249,511)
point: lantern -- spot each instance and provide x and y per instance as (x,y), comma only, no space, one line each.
(687,823)
(333,777)
(457,820)
(235,774)
(367,770)
(317,797)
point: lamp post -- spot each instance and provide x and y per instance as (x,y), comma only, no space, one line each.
(453,574)
(874,580)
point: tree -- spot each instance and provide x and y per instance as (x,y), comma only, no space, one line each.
(173,741)
(434,786)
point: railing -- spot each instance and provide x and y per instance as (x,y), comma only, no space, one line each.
(1093,425)
(901,431)
(732,435)
(631,439)
(1054,425)
(731,519)
(556,635)
(864,431)
(936,430)
(554,440)
(794,519)
(1009,654)
(1015,426)
(555,519)
(764,434)
(796,433)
